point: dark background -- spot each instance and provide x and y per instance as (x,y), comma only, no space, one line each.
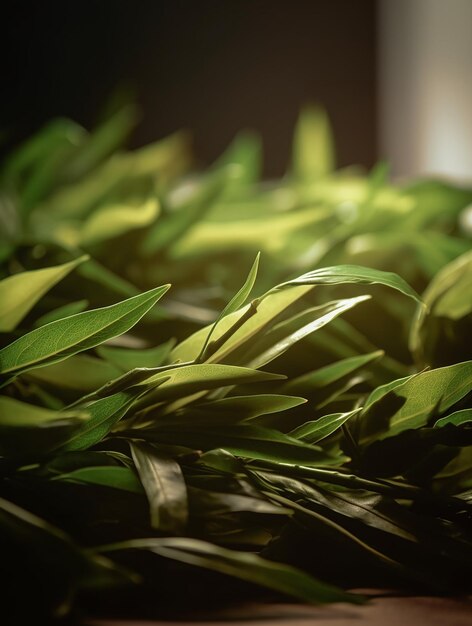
(212,66)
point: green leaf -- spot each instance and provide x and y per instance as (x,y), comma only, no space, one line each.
(187,383)
(14,412)
(411,403)
(175,224)
(282,337)
(235,303)
(221,461)
(102,142)
(254,442)
(27,157)
(122,478)
(80,372)
(165,487)
(436,331)
(270,307)
(77,200)
(315,431)
(127,359)
(456,419)
(313,148)
(20,292)
(99,274)
(26,429)
(249,567)
(116,219)
(238,408)
(448,295)
(343,274)
(104,414)
(242,295)
(384,390)
(328,383)
(361,505)
(245,151)
(66,462)
(341,340)
(248,234)
(37,166)
(183,381)
(62,338)
(327,376)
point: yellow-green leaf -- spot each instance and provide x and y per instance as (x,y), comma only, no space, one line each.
(20,292)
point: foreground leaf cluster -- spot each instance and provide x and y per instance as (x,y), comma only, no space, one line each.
(298,419)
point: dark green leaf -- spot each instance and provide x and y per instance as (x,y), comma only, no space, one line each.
(250,567)
(105,476)
(253,442)
(165,487)
(26,429)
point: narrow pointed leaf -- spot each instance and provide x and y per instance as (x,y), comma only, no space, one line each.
(315,431)
(280,342)
(254,442)
(238,408)
(237,300)
(194,378)
(270,307)
(344,274)
(20,292)
(329,375)
(104,414)
(62,338)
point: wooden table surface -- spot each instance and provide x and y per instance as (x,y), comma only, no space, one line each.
(380,611)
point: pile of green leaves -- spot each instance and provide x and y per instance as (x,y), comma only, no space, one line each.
(304,426)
